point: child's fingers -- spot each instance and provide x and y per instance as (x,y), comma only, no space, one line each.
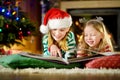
(53,53)
(59,53)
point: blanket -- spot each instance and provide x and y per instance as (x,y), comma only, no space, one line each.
(17,61)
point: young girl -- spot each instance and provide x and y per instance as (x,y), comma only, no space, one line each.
(95,38)
(58,38)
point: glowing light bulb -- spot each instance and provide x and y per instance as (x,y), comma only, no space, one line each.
(0,30)
(3,10)
(17,18)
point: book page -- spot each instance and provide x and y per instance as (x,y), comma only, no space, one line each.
(101,53)
(86,58)
(109,53)
(47,58)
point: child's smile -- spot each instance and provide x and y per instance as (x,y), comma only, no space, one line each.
(59,34)
(92,36)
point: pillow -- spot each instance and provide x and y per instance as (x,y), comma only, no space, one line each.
(18,61)
(105,62)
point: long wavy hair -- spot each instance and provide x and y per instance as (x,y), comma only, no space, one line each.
(62,44)
(99,26)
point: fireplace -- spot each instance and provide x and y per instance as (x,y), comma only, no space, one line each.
(111,18)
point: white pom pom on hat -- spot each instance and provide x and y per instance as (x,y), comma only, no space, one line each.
(44,29)
(55,19)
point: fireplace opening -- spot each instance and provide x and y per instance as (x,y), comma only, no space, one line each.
(111,19)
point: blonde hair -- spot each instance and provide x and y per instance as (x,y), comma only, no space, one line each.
(99,26)
(62,44)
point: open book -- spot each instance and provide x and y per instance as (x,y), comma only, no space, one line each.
(63,60)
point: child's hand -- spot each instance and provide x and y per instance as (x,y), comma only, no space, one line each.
(55,51)
(81,54)
(106,49)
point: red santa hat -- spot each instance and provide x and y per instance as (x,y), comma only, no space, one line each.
(55,19)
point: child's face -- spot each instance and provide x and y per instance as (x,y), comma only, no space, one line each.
(59,34)
(91,36)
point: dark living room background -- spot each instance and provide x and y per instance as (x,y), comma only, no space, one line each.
(35,10)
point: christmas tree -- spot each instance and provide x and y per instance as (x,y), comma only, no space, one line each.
(14,25)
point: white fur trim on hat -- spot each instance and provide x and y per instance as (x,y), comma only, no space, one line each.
(44,29)
(60,23)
